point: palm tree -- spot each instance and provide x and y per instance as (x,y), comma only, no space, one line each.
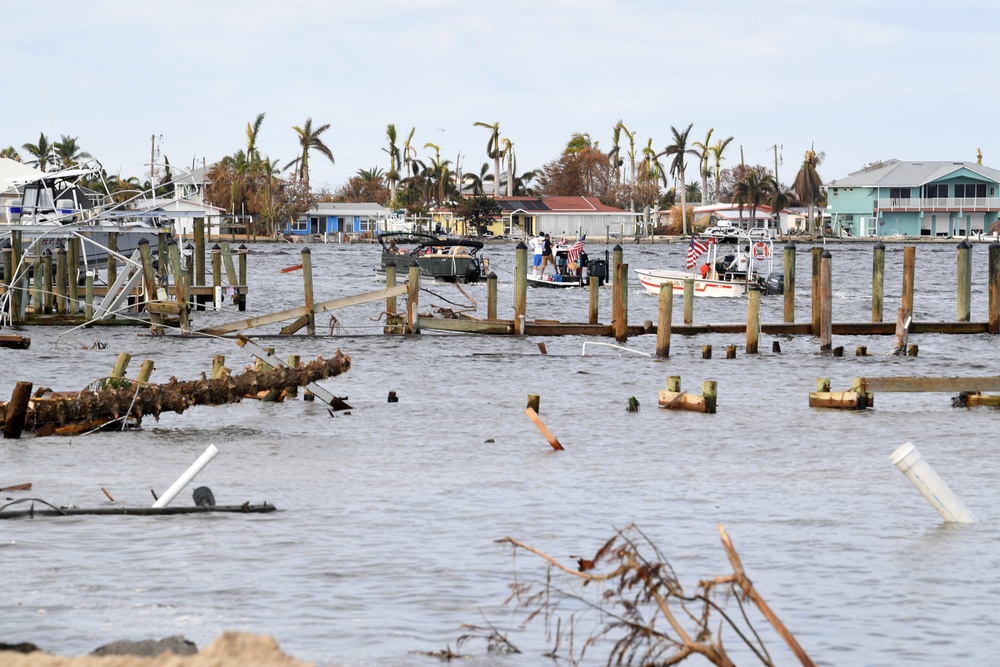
(373,174)
(477,179)
(511,160)
(409,154)
(679,150)
(704,150)
(717,150)
(615,153)
(631,156)
(41,152)
(67,153)
(253,129)
(753,190)
(11,154)
(650,169)
(308,140)
(808,183)
(578,143)
(393,175)
(522,187)
(493,152)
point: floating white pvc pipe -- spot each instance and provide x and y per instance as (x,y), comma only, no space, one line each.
(911,463)
(188,475)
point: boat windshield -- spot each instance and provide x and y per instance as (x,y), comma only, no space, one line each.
(36,196)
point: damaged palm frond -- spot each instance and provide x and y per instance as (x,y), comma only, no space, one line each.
(629,594)
(51,411)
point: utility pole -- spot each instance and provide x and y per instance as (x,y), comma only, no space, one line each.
(152,163)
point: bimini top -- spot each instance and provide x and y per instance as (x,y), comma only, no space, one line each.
(423,241)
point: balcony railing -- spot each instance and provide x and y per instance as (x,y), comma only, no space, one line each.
(939,204)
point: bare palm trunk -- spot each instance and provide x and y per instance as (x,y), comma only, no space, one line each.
(684,212)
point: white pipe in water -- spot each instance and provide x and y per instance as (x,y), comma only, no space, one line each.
(188,475)
(911,463)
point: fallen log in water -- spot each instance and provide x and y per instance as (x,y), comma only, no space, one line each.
(245,508)
(50,412)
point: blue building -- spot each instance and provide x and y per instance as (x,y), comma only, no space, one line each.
(916,199)
(334,218)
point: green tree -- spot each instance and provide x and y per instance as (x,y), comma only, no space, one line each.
(66,152)
(253,129)
(704,151)
(11,154)
(753,190)
(679,150)
(808,184)
(309,139)
(717,150)
(478,211)
(614,155)
(477,180)
(41,152)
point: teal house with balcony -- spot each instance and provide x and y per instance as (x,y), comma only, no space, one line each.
(915,199)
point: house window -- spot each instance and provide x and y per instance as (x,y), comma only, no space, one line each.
(899,193)
(300,225)
(937,191)
(970,190)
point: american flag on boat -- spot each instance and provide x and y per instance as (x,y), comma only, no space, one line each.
(574,250)
(695,250)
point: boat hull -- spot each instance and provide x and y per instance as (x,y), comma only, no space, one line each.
(651,279)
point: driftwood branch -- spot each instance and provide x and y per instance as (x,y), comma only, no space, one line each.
(134,399)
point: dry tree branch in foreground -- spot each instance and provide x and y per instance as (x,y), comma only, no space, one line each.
(641,607)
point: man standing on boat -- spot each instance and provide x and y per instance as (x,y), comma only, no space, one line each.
(547,257)
(537,244)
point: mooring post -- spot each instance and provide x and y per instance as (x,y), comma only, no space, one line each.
(292,390)
(48,290)
(149,285)
(861,351)
(121,365)
(88,304)
(199,252)
(706,351)
(8,266)
(878,280)
(18,300)
(37,286)
(412,298)
(709,389)
(964,281)
(817,251)
(218,363)
(665,317)
(162,237)
(994,288)
(595,287)
(674,383)
(826,302)
(180,286)
(789,286)
(619,306)
(391,325)
(217,276)
(909,263)
(753,320)
(534,401)
(307,283)
(822,384)
(616,259)
(112,270)
(17,409)
(61,289)
(145,370)
(520,286)
(730,351)
(72,273)
(688,301)
(241,298)
(491,296)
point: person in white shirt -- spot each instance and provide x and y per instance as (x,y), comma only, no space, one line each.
(537,244)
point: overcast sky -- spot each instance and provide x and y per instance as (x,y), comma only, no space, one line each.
(862,80)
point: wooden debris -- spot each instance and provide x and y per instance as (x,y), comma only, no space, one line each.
(245,508)
(15,342)
(543,429)
(16,487)
(85,410)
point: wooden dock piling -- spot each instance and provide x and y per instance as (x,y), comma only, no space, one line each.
(595,287)
(815,294)
(993,318)
(73,274)
(180,287)
(62,307)
(16,411)
(199,252)
(709,389)
(878,280)
(216,254)
(964,297)
(706,351)
(688,301)
(307,285)
(534,402)
(789,286)
(730,352)
(391,323)
(672,398)
(619,303)
(491,296)
(753,320)
(664,320)
(241,298)
(412,298)
(826,302)
(112,270)
(520,286)
(909,264)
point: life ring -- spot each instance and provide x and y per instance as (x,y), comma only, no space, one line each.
(760,250)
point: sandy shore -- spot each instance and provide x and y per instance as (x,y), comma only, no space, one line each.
(233,649)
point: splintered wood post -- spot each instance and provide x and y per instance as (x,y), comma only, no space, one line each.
(674,383)
(216,254)
(17,409)
(753,320)
(909,264)
(391,325)
(61,305)
(307,283)
(199,252)
(149,284)
(491,296)
(619,307)
(789,286)
(534,402)
(180,285)
(145,370)
(16,281)
(72,273)
(230,268)
(242,269)
(412,298)
(546,433)
(688,301)
(294,360)
(520,286)
(112,271)
(218,363)
(88,304)
(964,281)
(730,352)
(48,289)
(816,256)
(595,287)
(822,384)
(861,351)
(665,318)
(903,321)
(709,390)
(826,302)
(750,592)
(706,351)
(165,234)
(913,350)
(994,288)
(37,287)
(616,259)
(878,280)
(860,387)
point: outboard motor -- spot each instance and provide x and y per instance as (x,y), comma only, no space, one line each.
(775,283)
(598,268)
(473,272)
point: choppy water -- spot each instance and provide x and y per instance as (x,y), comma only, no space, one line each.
(384,542)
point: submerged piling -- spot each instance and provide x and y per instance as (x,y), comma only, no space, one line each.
(664,321)
(878,280)
(964,297)
(789,286)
